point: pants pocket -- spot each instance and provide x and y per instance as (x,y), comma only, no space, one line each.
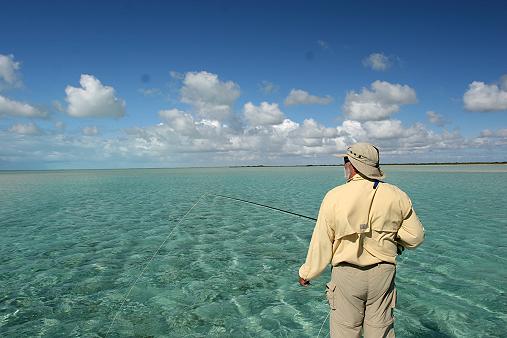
(330,290)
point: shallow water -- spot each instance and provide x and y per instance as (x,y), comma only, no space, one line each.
(74,241)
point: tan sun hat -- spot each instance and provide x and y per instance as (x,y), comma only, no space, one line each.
(365,158)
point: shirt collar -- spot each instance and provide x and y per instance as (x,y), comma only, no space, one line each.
(358,177)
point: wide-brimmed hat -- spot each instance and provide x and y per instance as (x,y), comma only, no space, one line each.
(365,158)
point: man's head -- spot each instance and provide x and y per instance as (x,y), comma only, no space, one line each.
(348,169)
(365,159)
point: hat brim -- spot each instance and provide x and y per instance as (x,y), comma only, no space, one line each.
(367,170)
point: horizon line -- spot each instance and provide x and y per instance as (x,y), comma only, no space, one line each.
(262,166)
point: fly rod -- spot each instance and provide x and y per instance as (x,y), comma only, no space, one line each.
(265,206)
(400,248)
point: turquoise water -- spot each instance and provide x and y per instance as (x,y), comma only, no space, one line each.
(72,242)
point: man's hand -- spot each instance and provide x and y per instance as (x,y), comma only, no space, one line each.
(303,282)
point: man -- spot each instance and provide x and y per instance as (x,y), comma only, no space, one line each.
(359,227)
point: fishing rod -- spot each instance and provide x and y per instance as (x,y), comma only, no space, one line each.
(400,248)
(265,206)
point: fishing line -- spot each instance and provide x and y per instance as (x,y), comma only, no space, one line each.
(281,210)
(146,265)
(323,325)
(169,235)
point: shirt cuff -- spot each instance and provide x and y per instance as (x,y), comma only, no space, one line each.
(304,271)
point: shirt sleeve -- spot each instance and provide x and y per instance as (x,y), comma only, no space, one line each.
(320,251)
(411,232)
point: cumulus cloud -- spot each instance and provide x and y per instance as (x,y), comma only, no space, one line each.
(494,133)
(377,61)
(182,139)
(93,99)
(267,87)
(494,140)
(179,121)
(263,142)
(383,100)
(210,97)
(299,96)
(435,118)
(9,75)
(288,138)
(264,114)
(394,138)
(387,129)
(312,135)
(90,130)
(25,129)
(373,130)
(482,97)
(18,109)
(202,135)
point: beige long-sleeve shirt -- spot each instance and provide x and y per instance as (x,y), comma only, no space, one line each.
(361,225)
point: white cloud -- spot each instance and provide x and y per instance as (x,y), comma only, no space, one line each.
(212,142)
(264,114)
(379,103)
(179,121)
(493,140)
(484,97)
(496,133)
(377,61)
(353,129)
(25,129)
(264,136)
(210,97)
(90,130)
(93,99)
(298,96)
(311,134)
(60,125)
(394,139)
(267,87)
(18,109)
(312,129)
(387,129)
(9,76)
(435,118)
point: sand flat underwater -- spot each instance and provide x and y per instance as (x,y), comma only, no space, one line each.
(72,242)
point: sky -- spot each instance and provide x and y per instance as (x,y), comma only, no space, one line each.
(121,84)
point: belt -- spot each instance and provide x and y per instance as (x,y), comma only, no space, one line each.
(367,267)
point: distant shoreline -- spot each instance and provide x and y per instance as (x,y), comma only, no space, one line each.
(383,164)
(268,166)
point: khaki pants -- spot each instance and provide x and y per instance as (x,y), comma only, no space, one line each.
(362,298)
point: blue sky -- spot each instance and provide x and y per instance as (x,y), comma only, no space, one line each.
(168,84)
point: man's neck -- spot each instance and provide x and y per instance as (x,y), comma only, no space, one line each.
(351,176)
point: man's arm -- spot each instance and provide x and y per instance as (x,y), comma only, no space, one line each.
(320,251)
(411,232)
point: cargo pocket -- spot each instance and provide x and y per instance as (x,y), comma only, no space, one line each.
(330,289)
